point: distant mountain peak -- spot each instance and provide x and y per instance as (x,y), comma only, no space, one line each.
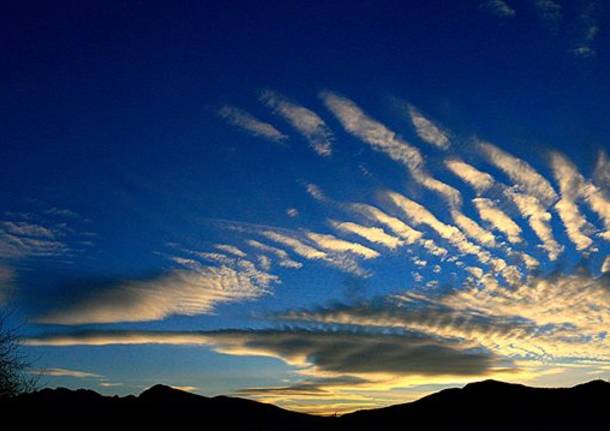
(160,392)
(491,383)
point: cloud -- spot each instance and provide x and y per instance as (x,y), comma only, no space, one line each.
(356,122)
(400,228)
(292,212)
(574,223)
(587,31)
(237,117)
(382,139)
(539,220)
(472,229)
(427,130)
(480,181)
(264,262)
(27,229)
(550,12)
(19,239)
(321,386)
(520,172)
(186,388)
(498,219)
(305,121)
(334,244)
(498,8)
(574,187)
(110,384)
(230,249)
(601,173)
(193,291)
(323,353)
(606,265)
(316,192)
(282,256)
(373,234)
(556,318)
(339,254)
(61,212)
(447,192)
(418,214)
(297,246)
(433,248)
(62,372)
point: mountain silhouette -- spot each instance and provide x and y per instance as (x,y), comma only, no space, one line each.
(486,405)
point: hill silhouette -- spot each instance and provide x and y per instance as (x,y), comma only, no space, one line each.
(484,405)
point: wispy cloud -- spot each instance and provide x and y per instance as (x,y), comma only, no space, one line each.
(196,290)
(316,192)
(304,120)
(20,239)
(427,130)
(230,249)
(513,322)
(292,212)
(587,31)
(372,234)
(61,212)
(419,215)
(63,372)
(573,187)
(186,388)
(498,8)
(251,124)
(601,173)
(606,265)
(520,172)
(380,138)
(498,219)
(334,244)
(560,317)
(480,181)
(539,220)
(296,245)
(326,353)
(473,230)
(284,259)
(397,226)
(337,253)
(551,13)
(356,122)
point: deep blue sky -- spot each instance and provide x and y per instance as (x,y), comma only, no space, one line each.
(112,140)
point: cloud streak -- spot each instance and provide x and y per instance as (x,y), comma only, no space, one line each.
(498,8)
(419,215)
(520,172)
(427,130)
(480,181)
(382,139)
(498,219)
(243,120)
(556,318)
(324,353)
(372,234)
(197,290)
(304,120)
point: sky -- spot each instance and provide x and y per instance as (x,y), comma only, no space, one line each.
(323,205)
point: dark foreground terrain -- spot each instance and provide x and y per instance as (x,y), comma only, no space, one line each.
(487,405)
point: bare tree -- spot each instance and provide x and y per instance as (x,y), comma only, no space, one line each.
(14,376)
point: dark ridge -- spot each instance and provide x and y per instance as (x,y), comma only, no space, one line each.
(163,393)
(491,404)
(486,405)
